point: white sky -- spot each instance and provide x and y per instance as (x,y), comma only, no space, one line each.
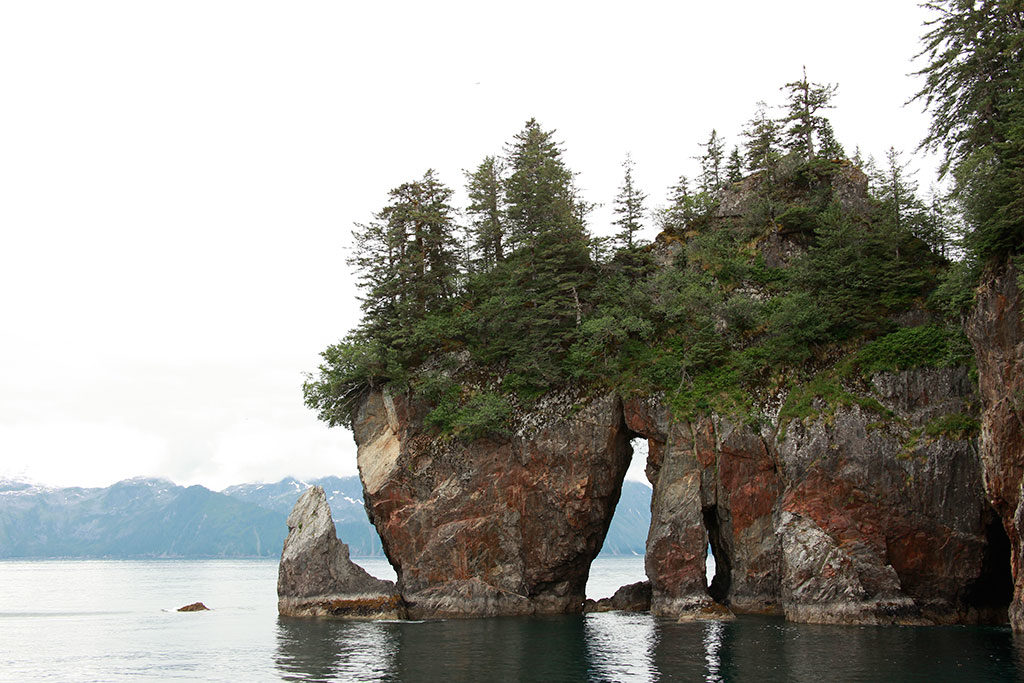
(178,181)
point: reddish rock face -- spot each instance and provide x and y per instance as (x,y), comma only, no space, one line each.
(713,483)
(839,521)
(847,518)
(996,330)
(492,527)
(902,516)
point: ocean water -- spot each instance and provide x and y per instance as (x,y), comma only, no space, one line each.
(116,620)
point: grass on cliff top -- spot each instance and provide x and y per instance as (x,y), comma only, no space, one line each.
(925,346)
(715,391)
(821,396)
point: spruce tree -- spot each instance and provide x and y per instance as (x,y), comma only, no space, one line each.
(762,140)
(540,192)
(938,223)
(486,230)
(734,166)
(676,217)
(857,158)
(973,77)
(828,146)
(629,207)
(711,166)
(406,259)
(801,122)
(896,189)
(536,296)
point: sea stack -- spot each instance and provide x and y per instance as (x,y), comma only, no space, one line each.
(316,578)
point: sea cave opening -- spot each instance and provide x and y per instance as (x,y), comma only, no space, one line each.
(717,568)
(992,592)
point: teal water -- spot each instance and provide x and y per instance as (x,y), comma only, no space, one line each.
(115,620)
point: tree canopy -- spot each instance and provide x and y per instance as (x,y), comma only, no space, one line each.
(974,71)
(801,265)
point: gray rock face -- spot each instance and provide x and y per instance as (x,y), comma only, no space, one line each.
(824,582)
(316,578)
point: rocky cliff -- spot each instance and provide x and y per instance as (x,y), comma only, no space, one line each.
(845,516)
(862,502)
(492,527)
(996,330)
(848,515)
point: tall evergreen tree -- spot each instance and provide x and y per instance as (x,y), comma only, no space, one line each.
(828,146)
(896,188)
(676,216)
(734,166)
(711,163)
(973,76)
(857,158)
(486,209)
(406,258)
(629,207)
(938,223)
(762,140)
(801,122)
(540,191)
(535,302)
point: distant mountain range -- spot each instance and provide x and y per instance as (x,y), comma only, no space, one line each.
(155,518)
(344,494)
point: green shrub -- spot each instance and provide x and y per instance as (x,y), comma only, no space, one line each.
(953,426)
(800,402)
(912,347)
(799,219)
(718,390)
(484,413)
(460,413)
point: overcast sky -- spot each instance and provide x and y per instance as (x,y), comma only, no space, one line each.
(178,181)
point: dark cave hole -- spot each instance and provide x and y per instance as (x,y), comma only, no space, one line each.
(718,588)
(993,590)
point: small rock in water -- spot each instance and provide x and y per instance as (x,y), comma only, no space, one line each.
(194,607)
(636,597)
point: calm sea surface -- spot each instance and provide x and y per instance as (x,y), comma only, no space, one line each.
(114,620)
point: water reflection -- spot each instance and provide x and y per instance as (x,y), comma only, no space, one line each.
(712,644)
(620,646)
(638,647)
(507,648)
(322,650)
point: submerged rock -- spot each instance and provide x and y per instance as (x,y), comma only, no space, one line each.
(711,612)
(316,578)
